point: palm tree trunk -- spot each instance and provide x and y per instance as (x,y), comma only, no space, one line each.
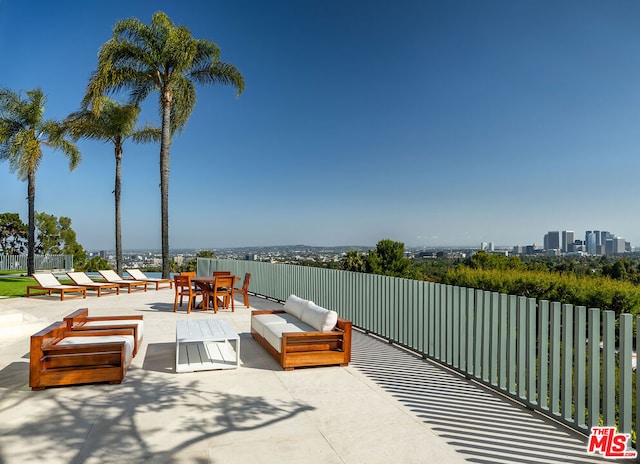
(165,145)
(31,238)
(117,190)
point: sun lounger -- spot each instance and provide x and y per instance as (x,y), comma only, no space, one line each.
(80,278)
(137,274)
(132,285)
(48,283)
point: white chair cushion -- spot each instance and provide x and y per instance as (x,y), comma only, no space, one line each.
(295,305)
(127,339)
(319,318)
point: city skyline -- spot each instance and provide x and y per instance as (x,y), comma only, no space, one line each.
(435,124)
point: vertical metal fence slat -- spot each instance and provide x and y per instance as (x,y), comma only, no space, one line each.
(567,362)
(555,344)
(580,366)
(608,368)
(594,367)
(522,347)
(543,355)
(512,354)
(626,339)
(502,342)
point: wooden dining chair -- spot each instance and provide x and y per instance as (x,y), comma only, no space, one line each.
(244,290)
(223,287)
(184,287)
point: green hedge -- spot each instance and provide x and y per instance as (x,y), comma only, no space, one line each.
(593,292)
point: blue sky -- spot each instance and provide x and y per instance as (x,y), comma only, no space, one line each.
(428,122)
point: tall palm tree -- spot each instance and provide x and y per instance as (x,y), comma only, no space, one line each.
(165,58)
(23,133)
(115,123)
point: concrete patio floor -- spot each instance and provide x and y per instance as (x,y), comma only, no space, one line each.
(387,406)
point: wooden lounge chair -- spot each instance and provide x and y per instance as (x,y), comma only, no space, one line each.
(132,285)
(49,283)
(137,274)
(80,278)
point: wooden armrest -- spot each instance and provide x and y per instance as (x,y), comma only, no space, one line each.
(100,332)
(257,312)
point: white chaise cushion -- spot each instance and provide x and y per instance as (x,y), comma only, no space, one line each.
(319,318)
(295,305)
(259,321)
(273,332)
(112,322)
(127,339)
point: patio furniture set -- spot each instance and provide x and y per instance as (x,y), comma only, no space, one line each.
(82,349)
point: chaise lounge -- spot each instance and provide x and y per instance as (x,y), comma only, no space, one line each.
(49,283)
(113,278)
(137,274)
(82,279)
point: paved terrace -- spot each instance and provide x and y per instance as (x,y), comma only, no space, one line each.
(387,406)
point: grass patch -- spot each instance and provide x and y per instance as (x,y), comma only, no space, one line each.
(16,271)
(15,286)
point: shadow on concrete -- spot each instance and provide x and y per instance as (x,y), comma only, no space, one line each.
(480,424)
(150,417)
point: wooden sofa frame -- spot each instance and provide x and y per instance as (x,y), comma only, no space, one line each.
(55,365)
(300,349)
(77,321)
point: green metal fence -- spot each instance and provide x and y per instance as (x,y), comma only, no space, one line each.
(42,262)
(571,363)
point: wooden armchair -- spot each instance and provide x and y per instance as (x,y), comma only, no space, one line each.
(244,290)
(223,287)
(184,287)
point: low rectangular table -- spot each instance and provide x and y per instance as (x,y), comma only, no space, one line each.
(205,345)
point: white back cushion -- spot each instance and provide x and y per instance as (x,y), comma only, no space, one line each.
(295,306)
(319,318)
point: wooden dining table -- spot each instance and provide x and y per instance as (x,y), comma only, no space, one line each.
(206,285)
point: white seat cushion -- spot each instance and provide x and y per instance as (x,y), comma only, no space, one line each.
(273,332)
(127,339)
(320,318)
(261,320)
(113,322)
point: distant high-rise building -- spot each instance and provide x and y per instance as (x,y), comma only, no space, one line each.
(591,241)
(552,240)
(567,240)
(483,245)
(492,246)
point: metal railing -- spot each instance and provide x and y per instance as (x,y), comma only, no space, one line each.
(42,262)
(559,359)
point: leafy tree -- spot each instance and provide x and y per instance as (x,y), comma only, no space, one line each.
(96,264)
(165,58)
(57,237)
(111,122)
(23,132)
(13,234)
(353,261)
(193,263)
(388,259)
(70,243)
(48,234)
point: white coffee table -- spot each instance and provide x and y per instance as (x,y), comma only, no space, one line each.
(205,344)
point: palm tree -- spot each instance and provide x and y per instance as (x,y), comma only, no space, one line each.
(23,132)
(115,123)
(165,58)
